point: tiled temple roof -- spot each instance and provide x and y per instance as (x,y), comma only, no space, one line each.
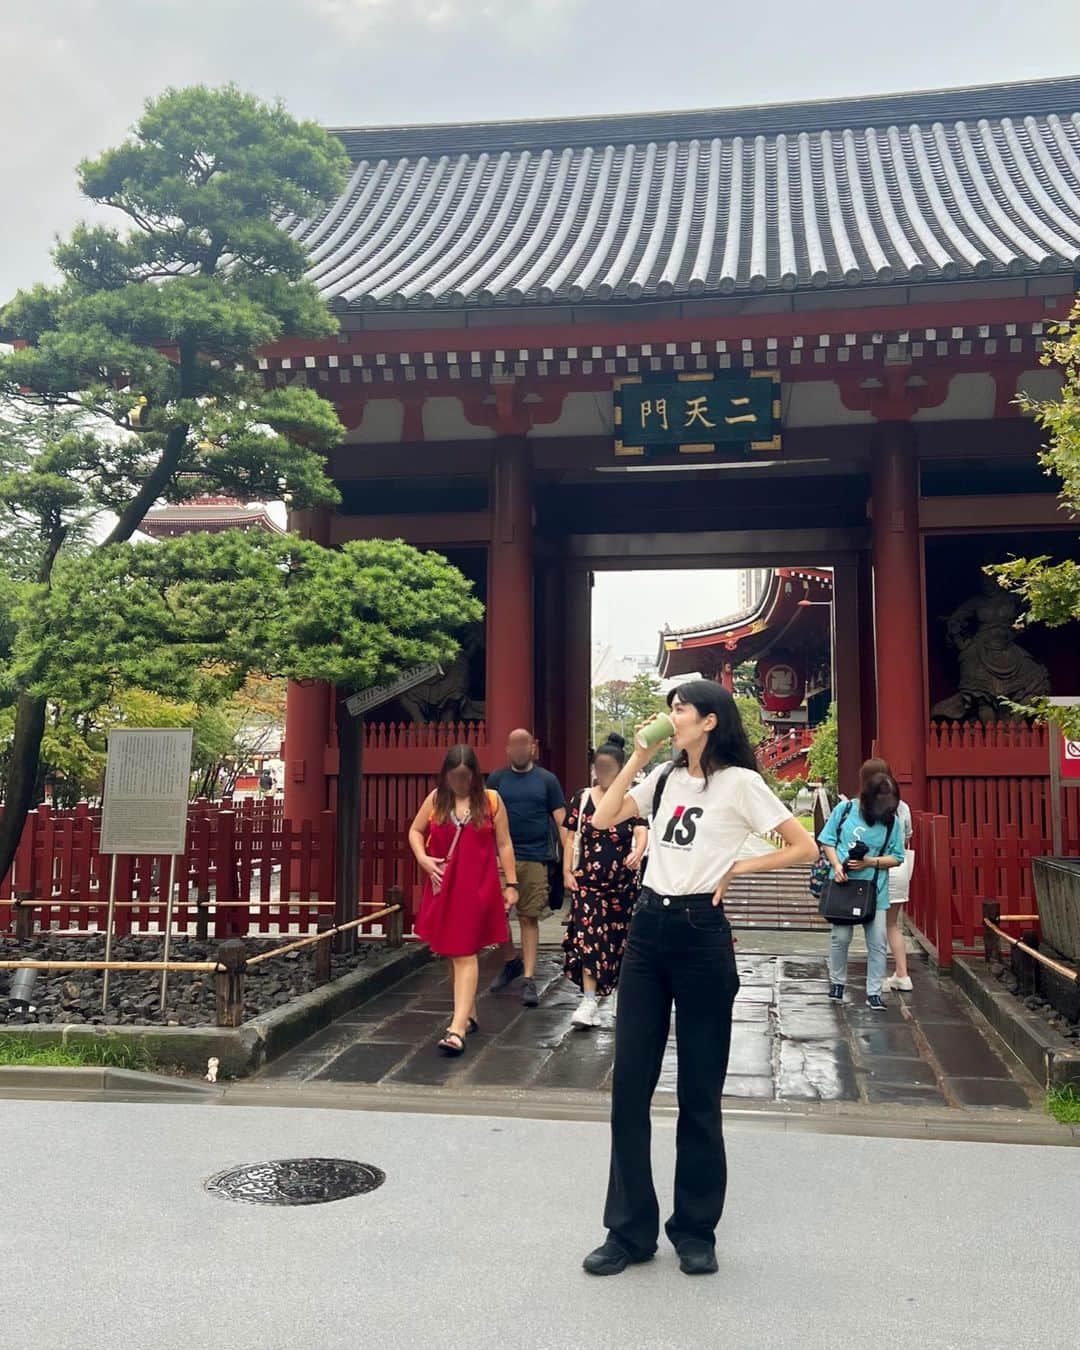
(920,187)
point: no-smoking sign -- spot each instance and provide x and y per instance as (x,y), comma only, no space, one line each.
(1070,759)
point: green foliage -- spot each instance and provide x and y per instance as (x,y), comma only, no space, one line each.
(1051,591)
(39,501)
(151,333)
(753,722)
(1063,1103)
(113,1050)
(136,381)
(622,705)
(744,678)
(191,618)
(821,762)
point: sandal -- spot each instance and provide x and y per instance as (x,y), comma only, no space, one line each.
(473,1026)
(453,1043)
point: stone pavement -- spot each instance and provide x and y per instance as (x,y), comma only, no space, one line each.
(475,1240)
(789,1044)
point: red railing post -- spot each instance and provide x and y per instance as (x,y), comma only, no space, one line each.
(225,921)
(942,891)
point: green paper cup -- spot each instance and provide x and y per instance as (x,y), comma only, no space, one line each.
(661,728)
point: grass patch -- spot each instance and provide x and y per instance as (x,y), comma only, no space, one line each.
(1063,1103)
(109,1051)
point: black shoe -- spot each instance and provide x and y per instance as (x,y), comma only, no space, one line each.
(507,975)
(611,1259)
(529,997)
(836,993)
(876,1003)
(697,1257)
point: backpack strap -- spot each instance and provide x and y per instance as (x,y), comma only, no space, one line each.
(659,790)
(840,823)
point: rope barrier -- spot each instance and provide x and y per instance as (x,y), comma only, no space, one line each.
(209,966)
(1065,971)
(321,937)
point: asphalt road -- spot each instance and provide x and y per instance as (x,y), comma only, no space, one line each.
(109,1240)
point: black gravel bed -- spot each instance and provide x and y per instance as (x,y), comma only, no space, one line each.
(71,996)
(1035,1003)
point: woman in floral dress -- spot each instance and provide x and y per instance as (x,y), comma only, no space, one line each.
(602,875)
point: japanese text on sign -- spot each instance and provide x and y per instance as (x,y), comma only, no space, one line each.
(696,414)
(147,778)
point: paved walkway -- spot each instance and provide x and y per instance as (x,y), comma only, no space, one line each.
(476,1237)
(789,1043)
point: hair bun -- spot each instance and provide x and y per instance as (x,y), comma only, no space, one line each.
(613,738)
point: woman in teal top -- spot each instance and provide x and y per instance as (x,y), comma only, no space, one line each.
(870,820)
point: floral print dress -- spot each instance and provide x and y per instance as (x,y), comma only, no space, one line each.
(600,909)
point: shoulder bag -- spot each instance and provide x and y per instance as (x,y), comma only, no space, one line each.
(852,901)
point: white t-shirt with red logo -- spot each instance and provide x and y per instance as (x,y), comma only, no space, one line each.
(701,825)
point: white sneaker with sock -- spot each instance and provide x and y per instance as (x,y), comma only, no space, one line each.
(587,1013)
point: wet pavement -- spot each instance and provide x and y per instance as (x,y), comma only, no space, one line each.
(789,1043)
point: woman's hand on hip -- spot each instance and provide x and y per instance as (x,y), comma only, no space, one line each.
(725,882)
(434,867)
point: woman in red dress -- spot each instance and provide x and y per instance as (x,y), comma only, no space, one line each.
(460,836)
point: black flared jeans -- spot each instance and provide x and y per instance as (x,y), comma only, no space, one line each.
(679,952)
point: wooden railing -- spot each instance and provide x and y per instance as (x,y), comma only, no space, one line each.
(959,868)
(247,870)
(781,749)
(424,735)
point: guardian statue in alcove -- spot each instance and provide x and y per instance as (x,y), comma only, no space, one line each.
(447,698)
(995,671)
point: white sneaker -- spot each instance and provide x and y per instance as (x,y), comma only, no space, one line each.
(901,982)
(587,1014)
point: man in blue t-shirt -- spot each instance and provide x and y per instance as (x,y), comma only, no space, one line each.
(535,812)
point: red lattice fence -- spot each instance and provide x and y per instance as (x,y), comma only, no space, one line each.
(246,869)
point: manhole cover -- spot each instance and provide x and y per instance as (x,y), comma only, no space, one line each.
(296,1181)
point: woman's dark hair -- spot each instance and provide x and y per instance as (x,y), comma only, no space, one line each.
(461,756)
(879,799)
(614,747)
(728,745)
(871,769)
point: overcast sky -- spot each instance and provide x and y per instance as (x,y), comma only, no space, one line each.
(74,73)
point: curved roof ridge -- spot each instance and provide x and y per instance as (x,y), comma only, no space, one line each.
(952,102)
(976,182)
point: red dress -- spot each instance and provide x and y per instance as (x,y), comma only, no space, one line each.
(468,913)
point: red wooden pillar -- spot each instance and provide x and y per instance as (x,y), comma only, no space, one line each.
(510,625)
(898,608)
(308,721)
(850,648)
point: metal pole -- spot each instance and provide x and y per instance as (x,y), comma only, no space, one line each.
(168,928)
(108,932)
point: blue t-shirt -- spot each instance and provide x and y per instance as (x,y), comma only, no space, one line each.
(530,799)
(842,836)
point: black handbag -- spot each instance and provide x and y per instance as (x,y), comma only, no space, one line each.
(852,901)
(849,901)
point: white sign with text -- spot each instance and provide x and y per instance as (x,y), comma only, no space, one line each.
(147,782)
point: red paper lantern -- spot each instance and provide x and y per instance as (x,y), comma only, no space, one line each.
(783,683)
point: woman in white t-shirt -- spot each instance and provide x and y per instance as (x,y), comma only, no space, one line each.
(702,807)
